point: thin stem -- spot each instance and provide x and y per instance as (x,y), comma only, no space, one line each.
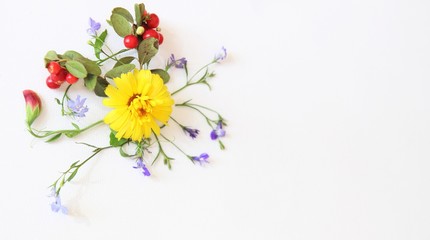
(171,142)
(208,120)
(182,126)
(69,133)
(64,97)
(73,170)
(205,66)
(113,55)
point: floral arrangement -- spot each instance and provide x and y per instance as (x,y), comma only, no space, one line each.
(141,103)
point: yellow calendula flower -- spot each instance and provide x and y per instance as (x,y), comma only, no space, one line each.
(139,100)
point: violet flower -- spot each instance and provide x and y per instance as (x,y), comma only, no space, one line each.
(77,107)
(177,63)
(218,131)
(221,55)
(203,158)
(56,206)
(94,26)
(192,132)
(142,165)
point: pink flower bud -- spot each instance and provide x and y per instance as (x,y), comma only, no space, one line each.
(33,105)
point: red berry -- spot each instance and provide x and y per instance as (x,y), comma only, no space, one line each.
(51,83)
(131,41)
(60,77)
(150,33)
(153,20)
(54,67)
(160,38)
(71,79)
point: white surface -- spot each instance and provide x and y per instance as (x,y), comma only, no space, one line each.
(328,110)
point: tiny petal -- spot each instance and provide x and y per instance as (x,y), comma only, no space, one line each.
(222,55)
(203,158)
(192,132)
(218,131)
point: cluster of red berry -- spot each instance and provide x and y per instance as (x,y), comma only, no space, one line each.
(148,29)
(58,75)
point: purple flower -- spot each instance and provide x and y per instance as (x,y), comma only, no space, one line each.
(218,131)
(192,132)
(221,55)
(77,107)
(94,26)
(142,165)
(178,63)
(56,206)
(203,158)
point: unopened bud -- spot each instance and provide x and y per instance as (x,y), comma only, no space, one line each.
(140,30)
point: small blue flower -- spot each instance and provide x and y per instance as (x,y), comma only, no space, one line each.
(203,158)
(77,107)
(56,206)
(178,63)
(192,132)
(142,165)
(94,26)
(218,131)
(221,55)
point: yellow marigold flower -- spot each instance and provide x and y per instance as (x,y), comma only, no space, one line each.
(139,99)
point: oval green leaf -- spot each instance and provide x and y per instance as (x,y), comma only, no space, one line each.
(147,49)
(101,85)
(117,71)
(90,82)
(72,55)
(123,12)
(76,68)
(124,60)
(120,24)
(163,74)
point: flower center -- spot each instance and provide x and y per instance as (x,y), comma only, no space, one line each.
(140,107)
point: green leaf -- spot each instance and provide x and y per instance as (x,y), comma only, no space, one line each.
(117,71)
(75,126)
(72,55)
(124,60)
(123,153)
(58,101)
(54,138)
(90,82)
(71,133)
(147,49)
(124,12)
(76,68)
(101,85)
(74,164)
(163,74)
(114,142)
(120,24)
(90,66)
(99,43)
(72,175)
(139,9)
(51,56)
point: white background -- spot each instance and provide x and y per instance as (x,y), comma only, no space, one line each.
(328,137)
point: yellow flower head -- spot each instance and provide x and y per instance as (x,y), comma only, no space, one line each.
(139,99)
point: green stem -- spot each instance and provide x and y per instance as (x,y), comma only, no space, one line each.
(113,55)
(73,170)
(176,146)
(198,71)
(208,120)
(69,133)
(64,97)
(189,83)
